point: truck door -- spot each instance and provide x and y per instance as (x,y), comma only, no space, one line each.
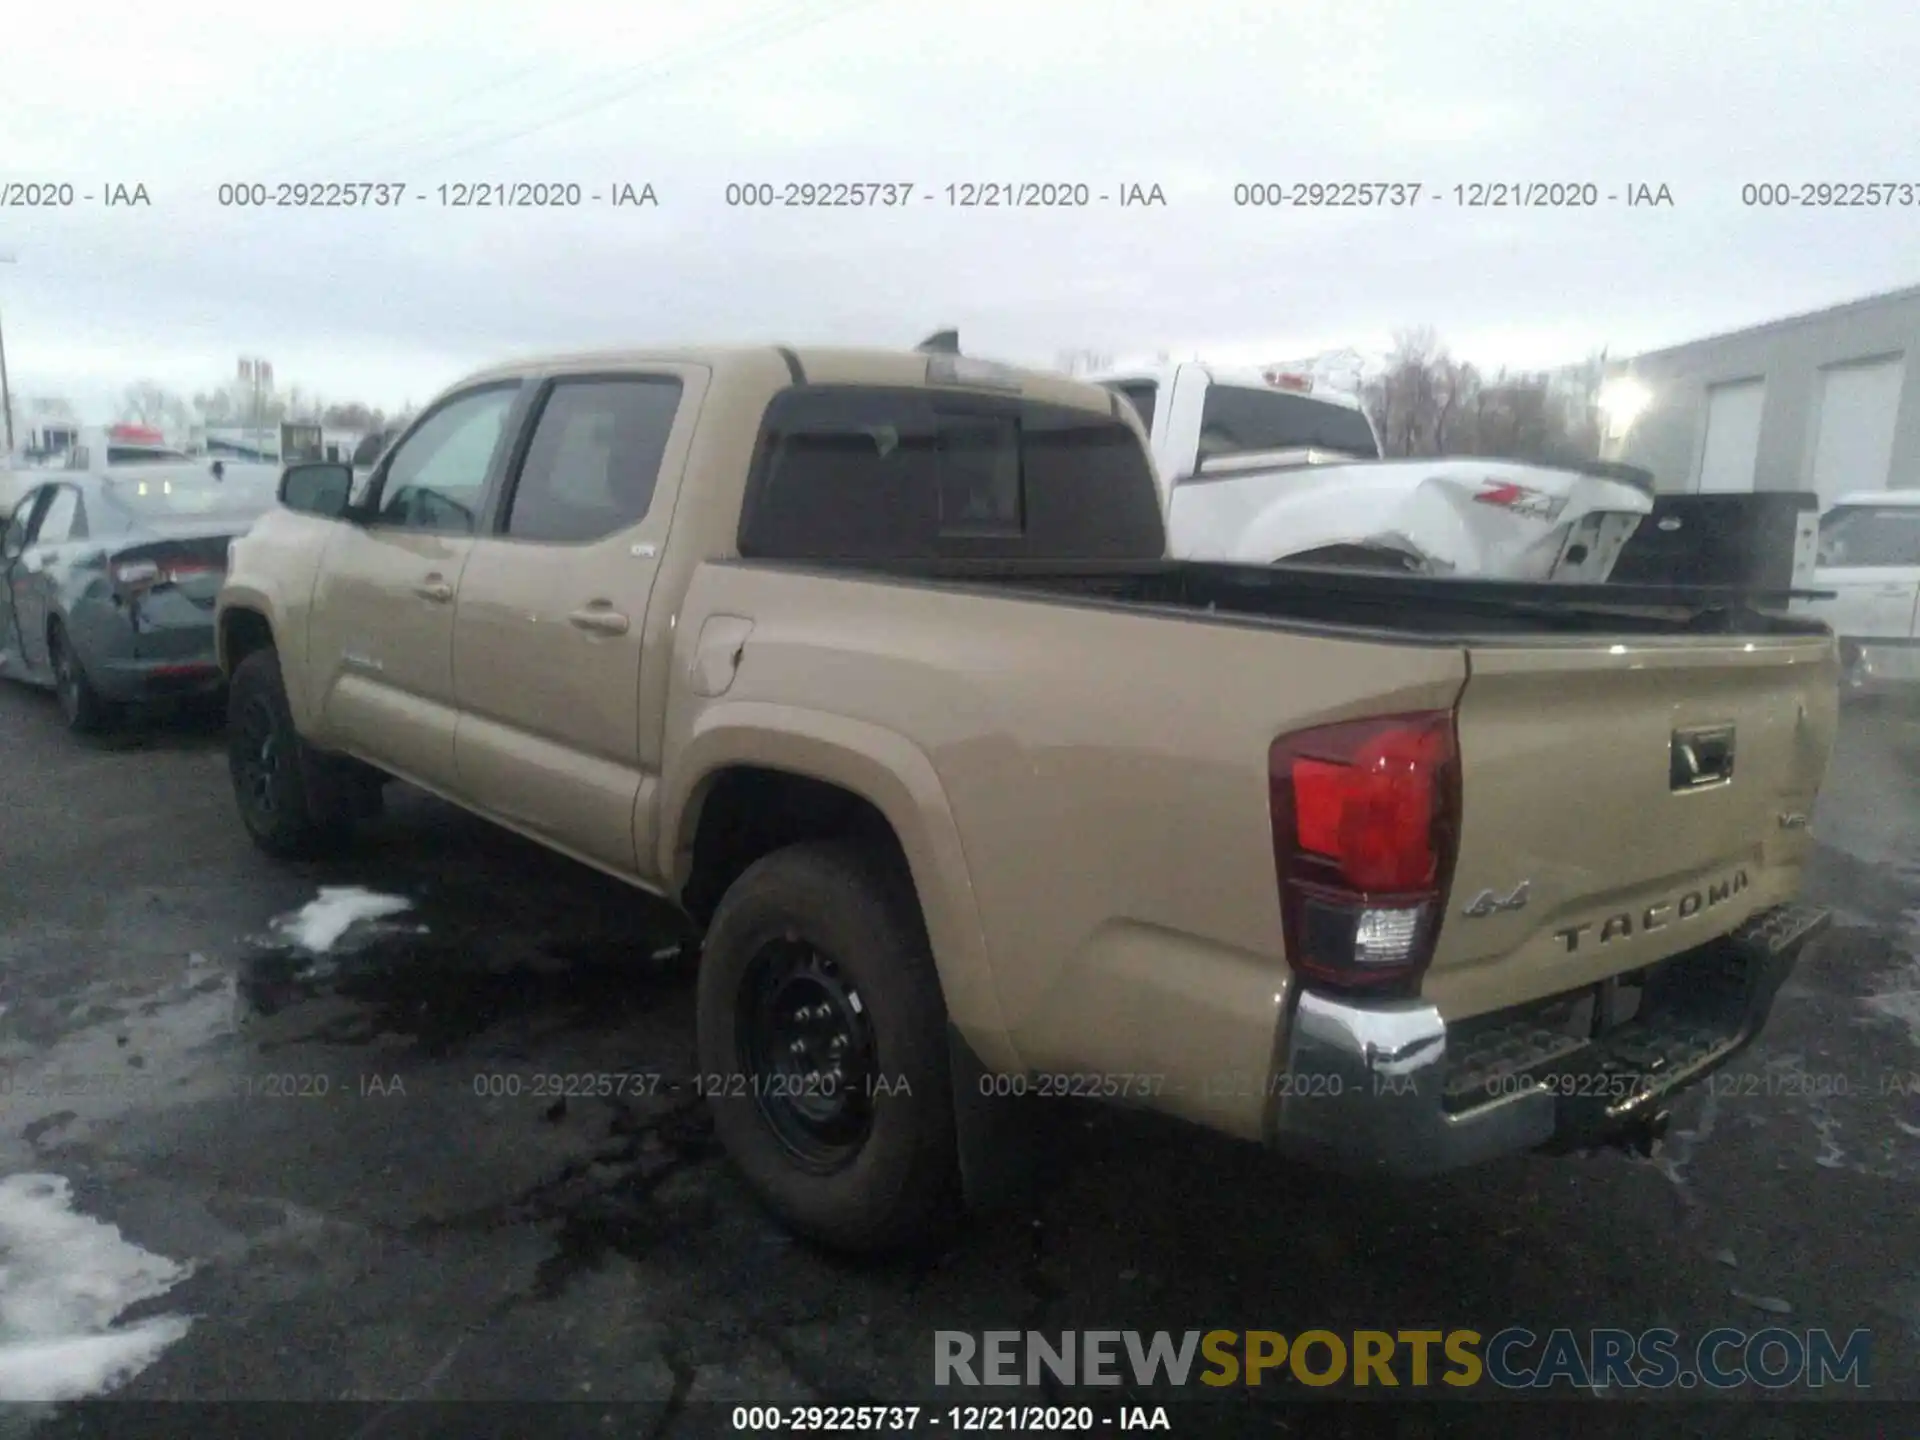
(381,643)
(1869,556)
(550,629)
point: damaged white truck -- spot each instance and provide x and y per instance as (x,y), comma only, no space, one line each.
(1255,468)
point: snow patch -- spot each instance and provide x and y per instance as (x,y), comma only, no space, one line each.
(64,1279)
(1677,1154)
(1827,1129)
(319,925)
(1902,1001)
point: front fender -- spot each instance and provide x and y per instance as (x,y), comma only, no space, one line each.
(271,573)
(896,777)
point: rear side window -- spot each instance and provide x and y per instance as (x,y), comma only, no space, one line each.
(594,459)
(1865,535)
(866,473)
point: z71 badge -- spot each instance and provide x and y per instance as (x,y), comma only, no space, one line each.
(1521,500)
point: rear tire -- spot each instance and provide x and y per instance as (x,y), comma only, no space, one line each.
(273,769)
(85,711)
(817,964)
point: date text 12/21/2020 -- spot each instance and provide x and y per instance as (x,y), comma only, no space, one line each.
(954,1419)
(459,195)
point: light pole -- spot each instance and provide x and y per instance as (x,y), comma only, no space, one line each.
(6,392)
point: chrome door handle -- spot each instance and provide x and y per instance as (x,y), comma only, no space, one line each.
(599,622)
(438,591)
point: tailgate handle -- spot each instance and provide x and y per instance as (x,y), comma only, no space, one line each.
(1701,758)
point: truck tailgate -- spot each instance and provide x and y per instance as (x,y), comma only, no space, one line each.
(1598,830)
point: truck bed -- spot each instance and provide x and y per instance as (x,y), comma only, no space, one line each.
(1573,708)
(1407,608)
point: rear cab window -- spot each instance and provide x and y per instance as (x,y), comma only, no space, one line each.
(1242,420)
(869,473)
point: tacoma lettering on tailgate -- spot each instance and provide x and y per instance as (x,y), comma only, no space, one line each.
(1656,916)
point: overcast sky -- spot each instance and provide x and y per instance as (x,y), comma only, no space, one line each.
(391,304)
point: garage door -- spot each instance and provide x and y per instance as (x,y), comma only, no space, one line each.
(1853,448)
(1733,435)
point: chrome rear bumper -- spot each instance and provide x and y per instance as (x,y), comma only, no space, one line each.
(1382,1086)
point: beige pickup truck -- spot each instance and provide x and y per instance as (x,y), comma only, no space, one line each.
(873,662)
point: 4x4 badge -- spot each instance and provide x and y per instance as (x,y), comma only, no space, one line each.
(1487,903)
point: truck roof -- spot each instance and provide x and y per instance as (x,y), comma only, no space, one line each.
(809,364)
(1224,375)
(1879,497)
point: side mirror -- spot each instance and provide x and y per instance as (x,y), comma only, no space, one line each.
(317,488)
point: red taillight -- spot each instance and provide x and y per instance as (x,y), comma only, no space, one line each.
(1366,820)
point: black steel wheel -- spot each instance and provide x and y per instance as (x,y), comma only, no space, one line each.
(808,1043)
(823,1047)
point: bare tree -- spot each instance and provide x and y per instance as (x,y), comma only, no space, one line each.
(1426,402)
(238,403)
(302,406)
(146,403)
(1083,362)
(352,415)
(1405,398)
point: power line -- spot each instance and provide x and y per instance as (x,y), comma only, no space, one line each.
(799,18)
(638,80)
(347,143)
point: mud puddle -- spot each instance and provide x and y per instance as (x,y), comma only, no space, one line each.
(438,977)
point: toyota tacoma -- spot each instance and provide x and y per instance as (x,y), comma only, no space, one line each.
(874,663)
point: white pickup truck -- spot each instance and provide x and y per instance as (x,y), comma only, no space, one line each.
(1868,571)
(1257,467)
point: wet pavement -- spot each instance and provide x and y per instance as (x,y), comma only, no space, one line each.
(372,1162)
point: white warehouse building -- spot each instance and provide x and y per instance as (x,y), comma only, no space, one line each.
(1827,402)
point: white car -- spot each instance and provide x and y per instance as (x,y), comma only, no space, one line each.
(1870,558)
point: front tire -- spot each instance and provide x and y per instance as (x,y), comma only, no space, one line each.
(271,767)
(85,712)
(823,1049)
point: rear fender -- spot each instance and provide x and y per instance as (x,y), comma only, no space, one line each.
(896,777)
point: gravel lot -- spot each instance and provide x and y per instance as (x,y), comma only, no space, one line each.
(386,1231)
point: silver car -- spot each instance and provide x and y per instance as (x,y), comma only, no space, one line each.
(110,581)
